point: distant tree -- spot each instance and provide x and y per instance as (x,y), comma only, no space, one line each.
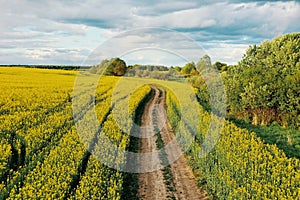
(116,67)
(194,72)
(93,69)
(177,68)
(172,71)
(103,66)
(130,71)
(204,63)
(220,66)
(188,69)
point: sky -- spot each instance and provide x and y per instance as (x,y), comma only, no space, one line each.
(83,32)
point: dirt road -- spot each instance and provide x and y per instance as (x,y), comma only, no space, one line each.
(175,181)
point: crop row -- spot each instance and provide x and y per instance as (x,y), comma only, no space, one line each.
(239,165)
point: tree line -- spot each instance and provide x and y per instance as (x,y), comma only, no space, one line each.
(264,86)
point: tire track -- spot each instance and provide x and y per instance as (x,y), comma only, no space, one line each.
(151,184)
(156,185)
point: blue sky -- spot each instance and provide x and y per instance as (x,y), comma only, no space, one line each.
(69,31)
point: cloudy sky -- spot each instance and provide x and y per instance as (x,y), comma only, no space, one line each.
(157,31)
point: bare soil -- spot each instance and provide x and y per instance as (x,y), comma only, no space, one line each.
(155,185)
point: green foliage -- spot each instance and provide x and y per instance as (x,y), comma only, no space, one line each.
(220,66)
(188,69)
(153,72)
(286,139)
(201,90)
(177,68)
(241,166)
(265,85)
(150,67)
(204,64)
(112,67)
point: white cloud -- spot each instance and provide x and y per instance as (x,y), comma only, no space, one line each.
(51,25)
(228,53)
(55,56)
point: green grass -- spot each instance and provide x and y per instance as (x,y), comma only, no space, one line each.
(286,139)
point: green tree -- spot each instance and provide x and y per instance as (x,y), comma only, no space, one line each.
(220,66)
(204,64)
(177,68)
(116,67)
(188,69)
(265,85)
